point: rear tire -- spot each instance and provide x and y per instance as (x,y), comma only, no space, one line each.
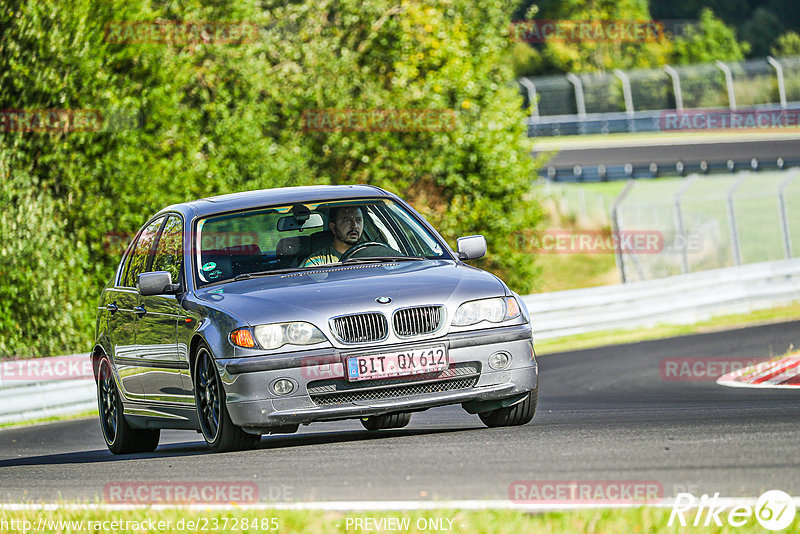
(119,436)
(218,430)
(385,422)
(519,414)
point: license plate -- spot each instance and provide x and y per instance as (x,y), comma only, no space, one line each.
(397,363)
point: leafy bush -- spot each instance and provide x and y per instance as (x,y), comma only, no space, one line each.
(710,41)
(186,120)
(787,44)
(40,271)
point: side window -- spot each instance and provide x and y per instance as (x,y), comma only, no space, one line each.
(141,253)
(371,218)
(126,261)
(169,252)
(419,238)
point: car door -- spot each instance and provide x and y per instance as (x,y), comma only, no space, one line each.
(163,366)
(122,303)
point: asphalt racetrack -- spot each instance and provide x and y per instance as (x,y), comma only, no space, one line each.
(604,414)
(664,153)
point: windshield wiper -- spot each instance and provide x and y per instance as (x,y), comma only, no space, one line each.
(372,259)
(245,276)
(382,259)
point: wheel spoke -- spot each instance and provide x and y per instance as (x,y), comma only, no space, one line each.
(207,394)
(108,402)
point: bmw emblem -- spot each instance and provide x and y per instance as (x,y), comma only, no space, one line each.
(383,300)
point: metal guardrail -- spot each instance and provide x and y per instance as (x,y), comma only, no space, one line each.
(656,120)
(27,399)
(682,299)
(679,299)
(678,167)
(636,100)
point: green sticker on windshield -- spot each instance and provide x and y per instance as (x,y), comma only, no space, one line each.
(208,266)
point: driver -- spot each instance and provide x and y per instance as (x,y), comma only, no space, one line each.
(346,224)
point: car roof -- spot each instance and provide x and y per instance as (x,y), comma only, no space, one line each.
(279,196)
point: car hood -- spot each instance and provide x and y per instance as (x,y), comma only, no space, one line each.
(316,296)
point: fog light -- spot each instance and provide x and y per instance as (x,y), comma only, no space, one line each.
(283,386)
(499,360)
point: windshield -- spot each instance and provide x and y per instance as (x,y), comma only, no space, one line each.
(309,235)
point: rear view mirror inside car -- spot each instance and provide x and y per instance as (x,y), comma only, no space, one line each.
(286,224)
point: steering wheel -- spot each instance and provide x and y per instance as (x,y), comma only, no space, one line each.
(360,246)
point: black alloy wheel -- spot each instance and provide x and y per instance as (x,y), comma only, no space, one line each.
(218,430)
(120,437)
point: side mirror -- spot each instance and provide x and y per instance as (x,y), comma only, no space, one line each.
(471,247)
(156,283)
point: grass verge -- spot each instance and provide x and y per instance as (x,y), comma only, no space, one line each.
(52,418)
(650,520)
(623,139)
(574,271)
(715,324)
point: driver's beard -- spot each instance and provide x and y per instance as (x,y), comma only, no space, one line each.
(343,238)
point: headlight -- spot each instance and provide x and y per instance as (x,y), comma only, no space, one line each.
(494,310)
(273,336)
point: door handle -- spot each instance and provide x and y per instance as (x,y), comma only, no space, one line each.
(112,307)
(140,311)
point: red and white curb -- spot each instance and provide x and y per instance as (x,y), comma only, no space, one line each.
(783,372)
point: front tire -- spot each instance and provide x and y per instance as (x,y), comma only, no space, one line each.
(385,422)
(519,414)
(218,430)
(119,436)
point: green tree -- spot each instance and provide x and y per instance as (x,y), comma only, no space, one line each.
(760,30)
(205,117)
(597,54)
(39,269)
(787,44)
(711,40)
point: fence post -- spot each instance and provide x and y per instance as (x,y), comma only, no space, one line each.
(532,99)
(583,213)
(676,86)
(580,101)
(726,70)
(679,223)
(779,73)
(626,90)
(735,250)
(628,96)
(615,227)
(787,238)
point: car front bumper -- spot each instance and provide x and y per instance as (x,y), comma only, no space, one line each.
(323,394)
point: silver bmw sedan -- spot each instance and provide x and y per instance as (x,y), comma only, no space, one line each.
(256,312)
